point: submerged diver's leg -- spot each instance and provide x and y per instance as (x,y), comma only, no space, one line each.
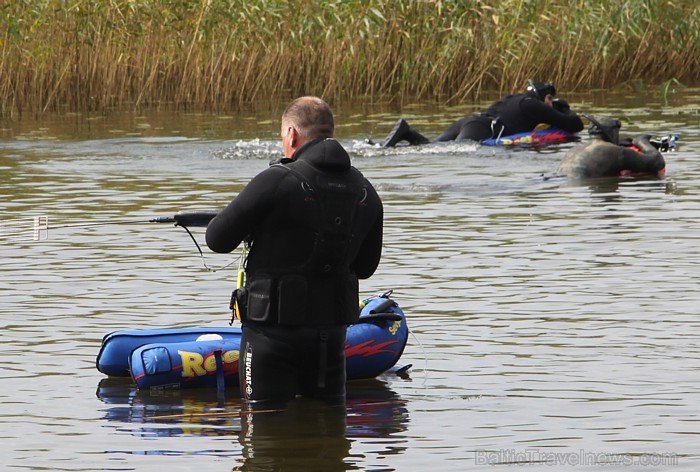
(265,368)
(323,374)
(451,133)
(476,128)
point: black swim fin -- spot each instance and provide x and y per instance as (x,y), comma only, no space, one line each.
(403,132)
(399,133)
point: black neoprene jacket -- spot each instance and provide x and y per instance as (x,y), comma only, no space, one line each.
(279,215)
(523,112)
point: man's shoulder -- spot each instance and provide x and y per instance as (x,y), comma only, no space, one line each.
(275,170)
(593,146)
(599,144)
(598,149)
(270,177)
(527,101)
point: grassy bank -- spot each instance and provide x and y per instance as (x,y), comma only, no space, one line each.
(220,54)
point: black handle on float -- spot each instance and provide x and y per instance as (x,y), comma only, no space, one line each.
(377,317)
(195,218)
(162,219)
(383,306)
(188,218)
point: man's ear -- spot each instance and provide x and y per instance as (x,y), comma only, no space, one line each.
(293,137)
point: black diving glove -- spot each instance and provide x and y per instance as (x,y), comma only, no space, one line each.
(641,140)
(626,142)
(560,105)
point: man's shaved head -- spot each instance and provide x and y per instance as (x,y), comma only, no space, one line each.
(311,117)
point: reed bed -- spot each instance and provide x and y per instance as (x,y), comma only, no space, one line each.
(223,54)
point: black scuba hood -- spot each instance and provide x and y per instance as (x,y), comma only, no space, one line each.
(607,129)
(325,153)
(540,89)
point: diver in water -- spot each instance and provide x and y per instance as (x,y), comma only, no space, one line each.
(509,115)
(606,156)
(315,226)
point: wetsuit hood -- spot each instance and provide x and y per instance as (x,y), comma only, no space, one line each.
(540,89)
(325,154)
(607,129)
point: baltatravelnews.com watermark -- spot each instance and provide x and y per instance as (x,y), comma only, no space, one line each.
(581,457)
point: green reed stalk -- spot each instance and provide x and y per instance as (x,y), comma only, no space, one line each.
(223,54)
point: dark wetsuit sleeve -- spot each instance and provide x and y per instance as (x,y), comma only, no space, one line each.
(649,160)
(226,231)
(542,113)
(370,252)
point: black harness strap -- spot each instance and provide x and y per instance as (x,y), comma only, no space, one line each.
(323,355)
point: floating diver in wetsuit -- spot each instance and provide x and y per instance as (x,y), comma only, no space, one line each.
(606,156)
(509,115)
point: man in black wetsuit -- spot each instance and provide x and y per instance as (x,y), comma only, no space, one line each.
(605,156)
(510,115)
(315,226)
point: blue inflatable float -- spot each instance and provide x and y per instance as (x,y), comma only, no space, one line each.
(538,137)
(206,357)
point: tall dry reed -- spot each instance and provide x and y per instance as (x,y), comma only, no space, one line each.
(221,54)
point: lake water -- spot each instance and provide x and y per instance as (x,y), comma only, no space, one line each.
(555,324)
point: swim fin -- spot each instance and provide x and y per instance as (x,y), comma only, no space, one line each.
(403,132)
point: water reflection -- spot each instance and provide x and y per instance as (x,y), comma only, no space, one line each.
(311,435)
(167,413)
(304,435)
(554,315)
